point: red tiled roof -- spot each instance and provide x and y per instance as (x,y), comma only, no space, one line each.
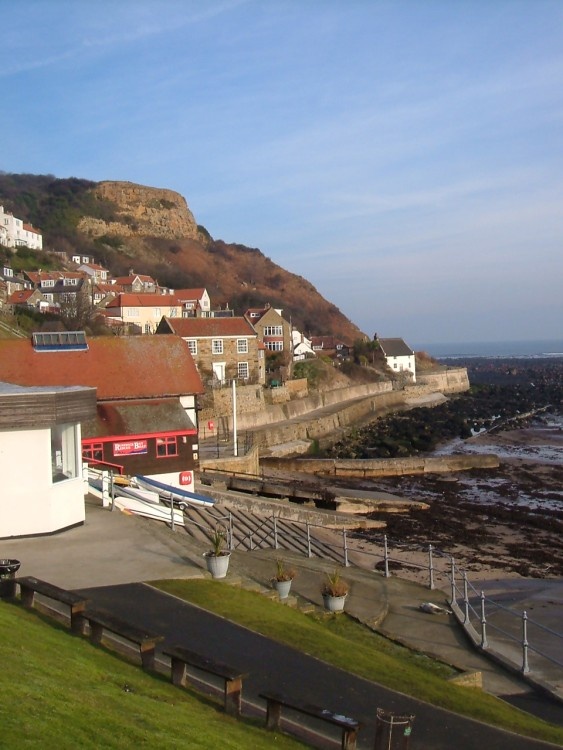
(120,367)
(189,294)
(20,296)
(210,327)
(30,228)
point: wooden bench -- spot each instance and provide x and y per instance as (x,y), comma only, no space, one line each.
(99,621)
(275,702)
(29,586)
(181,658)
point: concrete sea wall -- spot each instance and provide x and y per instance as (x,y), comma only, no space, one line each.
(381,467)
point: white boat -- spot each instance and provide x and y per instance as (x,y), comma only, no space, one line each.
(139,501)
(176,495)
(149,510)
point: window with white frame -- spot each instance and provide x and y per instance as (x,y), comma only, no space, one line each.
(242,346)
(243,370)
(133,312)
(192,346)
(157,313)
(274,346)
(217,346)
(273,330)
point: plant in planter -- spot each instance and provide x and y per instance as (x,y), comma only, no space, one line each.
(217,558)
(334,590)
(283,578)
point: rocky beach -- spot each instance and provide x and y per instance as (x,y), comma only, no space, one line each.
(496,523)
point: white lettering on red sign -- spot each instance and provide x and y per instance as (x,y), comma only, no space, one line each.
(186,477)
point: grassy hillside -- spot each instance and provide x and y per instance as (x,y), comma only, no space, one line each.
(59,692)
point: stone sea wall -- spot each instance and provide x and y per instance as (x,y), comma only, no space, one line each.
(382,467)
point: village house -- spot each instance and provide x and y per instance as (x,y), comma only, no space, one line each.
(79,259)
(143,311)
(16,233)
(40,458)
(302,346)
(223,348)
(136,283)
(399,356)
(12,281)
(31,298)
(272,329)
(57,287)
(96,273)
(145,420)
(194,302)
(330,345)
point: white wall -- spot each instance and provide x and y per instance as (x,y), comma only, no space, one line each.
(30,503)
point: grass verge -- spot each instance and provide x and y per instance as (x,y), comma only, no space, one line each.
(59,691)
(345,643)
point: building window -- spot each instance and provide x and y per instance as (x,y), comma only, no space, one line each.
(273,330)
(243,370)
(93,452)
(64,452)
(166,446)
(192,346)
(274,346)
(242,346)
(133,312)
(217,346)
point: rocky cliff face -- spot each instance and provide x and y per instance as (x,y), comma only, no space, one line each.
(142,211)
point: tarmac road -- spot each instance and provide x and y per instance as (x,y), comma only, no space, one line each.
(273,666)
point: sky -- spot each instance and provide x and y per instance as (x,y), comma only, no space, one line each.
(404,156)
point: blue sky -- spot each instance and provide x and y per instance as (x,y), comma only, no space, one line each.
(406,157)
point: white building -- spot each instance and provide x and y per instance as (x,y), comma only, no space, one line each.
(398,355)
(16,233)
(41,459)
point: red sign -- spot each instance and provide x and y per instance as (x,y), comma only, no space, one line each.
(131,448)
(186,477)
(211,425)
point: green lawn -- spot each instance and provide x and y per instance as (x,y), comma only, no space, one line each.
(341,641)
(59,691)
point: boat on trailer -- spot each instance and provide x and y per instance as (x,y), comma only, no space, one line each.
(175,495)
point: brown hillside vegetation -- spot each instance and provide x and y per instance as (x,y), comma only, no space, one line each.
(153,231)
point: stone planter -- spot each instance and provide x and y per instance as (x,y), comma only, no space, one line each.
(334,603)
(217,565)
(283,588)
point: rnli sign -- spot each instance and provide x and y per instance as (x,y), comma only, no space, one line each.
(131,448)
(186,478)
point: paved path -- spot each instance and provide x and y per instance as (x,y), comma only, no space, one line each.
(273,666)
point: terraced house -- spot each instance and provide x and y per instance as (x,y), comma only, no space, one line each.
(222,348)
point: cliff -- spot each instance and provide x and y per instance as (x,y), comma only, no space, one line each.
(142,212)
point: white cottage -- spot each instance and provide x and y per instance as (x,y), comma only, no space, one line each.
(398,355)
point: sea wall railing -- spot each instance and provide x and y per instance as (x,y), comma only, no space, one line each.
(520,641)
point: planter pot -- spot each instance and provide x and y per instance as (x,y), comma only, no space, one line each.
(283,588)
(217,565)
(334,603)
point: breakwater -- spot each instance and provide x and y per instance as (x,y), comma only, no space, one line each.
(381,467)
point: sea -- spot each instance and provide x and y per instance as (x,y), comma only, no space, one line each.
(532,349)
